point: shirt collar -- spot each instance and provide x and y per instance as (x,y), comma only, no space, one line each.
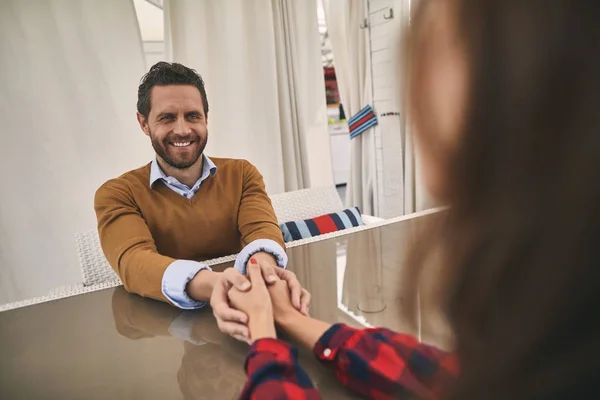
(156,172)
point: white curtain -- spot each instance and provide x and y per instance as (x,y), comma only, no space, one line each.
(68,86)
(261,63)
(351,56)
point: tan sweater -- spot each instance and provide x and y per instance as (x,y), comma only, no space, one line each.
(143,230)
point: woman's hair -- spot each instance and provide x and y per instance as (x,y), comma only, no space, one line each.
(522,238)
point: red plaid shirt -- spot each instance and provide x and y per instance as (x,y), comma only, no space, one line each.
(376,363)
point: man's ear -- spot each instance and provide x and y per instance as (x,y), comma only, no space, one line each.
(143,124)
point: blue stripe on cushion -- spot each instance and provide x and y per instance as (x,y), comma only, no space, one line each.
(339,224)
(304,229)
(294,232)
(312,227)
(356,212)
(352,217)
(287,236)
(345,219)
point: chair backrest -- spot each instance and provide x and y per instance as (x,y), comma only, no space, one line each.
(94,265)
(306,203)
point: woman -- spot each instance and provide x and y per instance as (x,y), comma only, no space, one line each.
(505,101)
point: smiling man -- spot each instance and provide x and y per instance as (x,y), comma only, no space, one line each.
(157,224)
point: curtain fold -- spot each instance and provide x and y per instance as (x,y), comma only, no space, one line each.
(261,64)
(68,90)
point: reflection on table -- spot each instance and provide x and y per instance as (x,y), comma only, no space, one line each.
(211,366)
(212,363)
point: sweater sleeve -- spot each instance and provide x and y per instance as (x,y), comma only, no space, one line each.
(256,218)
(127,242)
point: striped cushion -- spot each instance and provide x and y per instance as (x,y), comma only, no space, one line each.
(297,230)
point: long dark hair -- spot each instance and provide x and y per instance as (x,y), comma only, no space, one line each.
(522,237)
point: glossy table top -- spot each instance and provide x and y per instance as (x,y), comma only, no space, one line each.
(114,345)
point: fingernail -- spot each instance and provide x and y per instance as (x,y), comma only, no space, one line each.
(245,286)
(253,261)
(271,279)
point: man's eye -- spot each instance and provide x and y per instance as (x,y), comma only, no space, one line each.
(193,117)
(167,118)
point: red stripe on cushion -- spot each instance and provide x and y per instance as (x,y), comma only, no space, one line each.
(362,120)
(325,224)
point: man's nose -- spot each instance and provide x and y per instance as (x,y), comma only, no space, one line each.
(182,127)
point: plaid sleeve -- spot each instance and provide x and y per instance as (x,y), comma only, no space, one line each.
(274,373)
(381,364)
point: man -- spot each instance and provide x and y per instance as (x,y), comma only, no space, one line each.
(157,223)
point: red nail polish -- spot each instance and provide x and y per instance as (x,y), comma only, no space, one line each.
(253,261)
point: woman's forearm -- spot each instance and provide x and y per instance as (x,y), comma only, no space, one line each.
(261,327)
(304,330)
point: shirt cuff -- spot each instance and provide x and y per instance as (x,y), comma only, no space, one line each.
(268,350)
(332,341)
(175,279)
(264,245)
(181,328)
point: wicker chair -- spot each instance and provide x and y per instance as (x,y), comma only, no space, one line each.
(94,265)
(310,203)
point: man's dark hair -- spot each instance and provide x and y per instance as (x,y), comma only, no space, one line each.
(162,74)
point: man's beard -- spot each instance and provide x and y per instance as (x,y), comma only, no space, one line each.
(168,152)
